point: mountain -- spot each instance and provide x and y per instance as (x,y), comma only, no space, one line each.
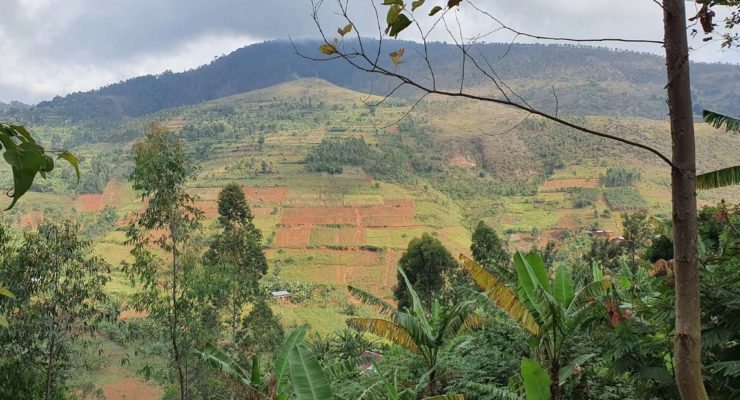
(588,80)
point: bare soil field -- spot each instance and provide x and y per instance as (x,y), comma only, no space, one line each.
(293,236)
(560,184)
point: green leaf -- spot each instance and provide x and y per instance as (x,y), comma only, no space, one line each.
(717,120)
(309,380)
(453,3)
(401,23)
(598,274)
(4,322)
(536,265)
(73,161)
(281,368)
(536,380)
(393,12)
(5,292)
(435,10)
(392,2)
(720,178)
(416,4)
(563,286)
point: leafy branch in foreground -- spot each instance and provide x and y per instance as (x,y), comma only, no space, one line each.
(27,159)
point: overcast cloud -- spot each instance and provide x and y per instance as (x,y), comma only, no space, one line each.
(54,47)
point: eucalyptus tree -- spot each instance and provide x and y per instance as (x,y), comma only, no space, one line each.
(168,222)
(58,288)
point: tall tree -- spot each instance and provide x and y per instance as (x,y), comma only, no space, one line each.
(426,263)
(168,221)
(58,289)
(235,260)
(636,230)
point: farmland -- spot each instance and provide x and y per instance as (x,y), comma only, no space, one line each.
(431,173)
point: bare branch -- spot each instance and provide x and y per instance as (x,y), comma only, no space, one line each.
(562,39)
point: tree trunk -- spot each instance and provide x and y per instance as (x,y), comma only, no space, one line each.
(555,379)
(50,367)
(174,328)
(687,345)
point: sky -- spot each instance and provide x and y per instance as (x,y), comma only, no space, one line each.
(55,47)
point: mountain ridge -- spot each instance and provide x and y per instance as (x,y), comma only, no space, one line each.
(590,80)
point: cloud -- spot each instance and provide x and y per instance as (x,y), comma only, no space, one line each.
(61,46)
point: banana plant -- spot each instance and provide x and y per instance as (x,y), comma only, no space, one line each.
(387,389)
(552,311)
(296,371)
(421,332)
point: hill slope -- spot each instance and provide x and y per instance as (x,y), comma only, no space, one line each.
(590,81)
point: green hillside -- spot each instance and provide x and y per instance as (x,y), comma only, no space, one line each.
(439,170)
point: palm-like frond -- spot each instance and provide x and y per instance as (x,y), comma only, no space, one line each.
(221,361)
(587,296)
(386,329)
(724,177)
(504,297)
(446,397)
(371,300)
(717,120)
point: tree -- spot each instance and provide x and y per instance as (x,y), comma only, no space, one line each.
(552,312)
(682,162)
(260,331)
(27,159)
(426,263)
(162,168)
(487,248)
(415,329)
(59,296)
(636,232)
(235,261)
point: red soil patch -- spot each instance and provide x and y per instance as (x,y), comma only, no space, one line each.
(92,202)
(209,208)
(395,213)
(560,184)
(96,202)
(132,314)
(267,194)
(462,161)
(262,211)
(30,220)
(130,389)
(293,236)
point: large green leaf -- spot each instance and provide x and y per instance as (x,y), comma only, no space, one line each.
(715,179)
(309,380)
(504,296)
(281,368)
(536,380)
(563,286)
(536,267)
(718,120)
